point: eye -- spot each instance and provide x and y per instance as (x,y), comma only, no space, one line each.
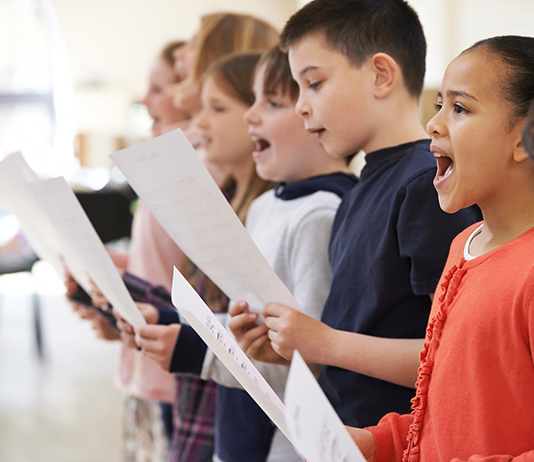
(314,85)
(459,109)
(219,109)
(438,106)
(274,104)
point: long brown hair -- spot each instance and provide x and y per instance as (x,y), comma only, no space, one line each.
(233,75)
(219,35)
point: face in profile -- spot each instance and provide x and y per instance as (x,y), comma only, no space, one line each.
(472,137)
(158,102)
(334,97)
(225,140)
(279,135)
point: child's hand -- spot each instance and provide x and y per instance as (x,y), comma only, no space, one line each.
(365,440)
(100,325)
(158,342)
(127,334)
(70,284)
(252,338)
(149,312)
(97,298)
(291,330)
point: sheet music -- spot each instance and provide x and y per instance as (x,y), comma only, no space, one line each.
(218,339)
(80,245)
(316,430)
(169,177)
(15,175)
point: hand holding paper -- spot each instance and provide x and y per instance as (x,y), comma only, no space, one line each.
(59,231)
(219,340)
(252,338)
(169,177)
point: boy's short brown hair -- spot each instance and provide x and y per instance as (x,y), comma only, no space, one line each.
(278,76)
(358,29)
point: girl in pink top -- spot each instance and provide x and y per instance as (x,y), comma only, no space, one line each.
(475,397)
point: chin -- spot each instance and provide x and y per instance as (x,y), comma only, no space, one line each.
(448,206)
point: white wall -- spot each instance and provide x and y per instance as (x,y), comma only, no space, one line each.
(111,43)
(453,25)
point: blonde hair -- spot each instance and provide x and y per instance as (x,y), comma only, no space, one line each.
(225,33)
(221,34)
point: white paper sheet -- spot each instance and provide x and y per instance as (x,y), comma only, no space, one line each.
(81,247)
(315,428)
(218,339)
(169,177)
(15,175)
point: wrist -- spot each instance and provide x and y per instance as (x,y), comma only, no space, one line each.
(326,344)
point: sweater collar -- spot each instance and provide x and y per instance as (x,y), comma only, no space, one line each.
(376,159)
(338,183)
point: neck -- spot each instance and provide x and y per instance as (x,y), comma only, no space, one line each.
(319,165)
(398,123)
(507,215)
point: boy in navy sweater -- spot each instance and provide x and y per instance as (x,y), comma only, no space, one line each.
(360,67)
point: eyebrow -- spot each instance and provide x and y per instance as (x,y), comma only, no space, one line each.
(458,93)
(306,70)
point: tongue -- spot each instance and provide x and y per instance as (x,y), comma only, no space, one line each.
(261,145)
(444,166)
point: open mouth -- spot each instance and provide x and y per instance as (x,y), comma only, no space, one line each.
(201,142)
(445,166)
(260,144)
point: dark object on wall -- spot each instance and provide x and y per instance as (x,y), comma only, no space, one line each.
(109,212)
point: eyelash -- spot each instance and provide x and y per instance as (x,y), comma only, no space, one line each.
(459,109)
(456,108)
(314,85)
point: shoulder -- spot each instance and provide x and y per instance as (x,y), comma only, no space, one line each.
(320,203)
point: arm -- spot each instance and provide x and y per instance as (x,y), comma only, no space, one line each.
(157,296)
(304,268)
(393,360)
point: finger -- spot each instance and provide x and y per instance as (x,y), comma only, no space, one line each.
(150,331)
(252,335)
(237,308)
(243,322)
(274,309)
(257,345)
(125,327)
(273,323)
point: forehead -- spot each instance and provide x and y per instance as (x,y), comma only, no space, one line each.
(476,72)
(313,52)
(259,77)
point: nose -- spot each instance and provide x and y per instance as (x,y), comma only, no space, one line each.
(200,120)
(145,100)
(435,126)
(251,116)
(302,108)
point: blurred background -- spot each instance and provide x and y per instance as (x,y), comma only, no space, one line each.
(72,73)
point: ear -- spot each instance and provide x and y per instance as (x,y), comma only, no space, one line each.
(519,153)
(386,74)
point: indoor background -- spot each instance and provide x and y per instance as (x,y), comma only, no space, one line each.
(71,74)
